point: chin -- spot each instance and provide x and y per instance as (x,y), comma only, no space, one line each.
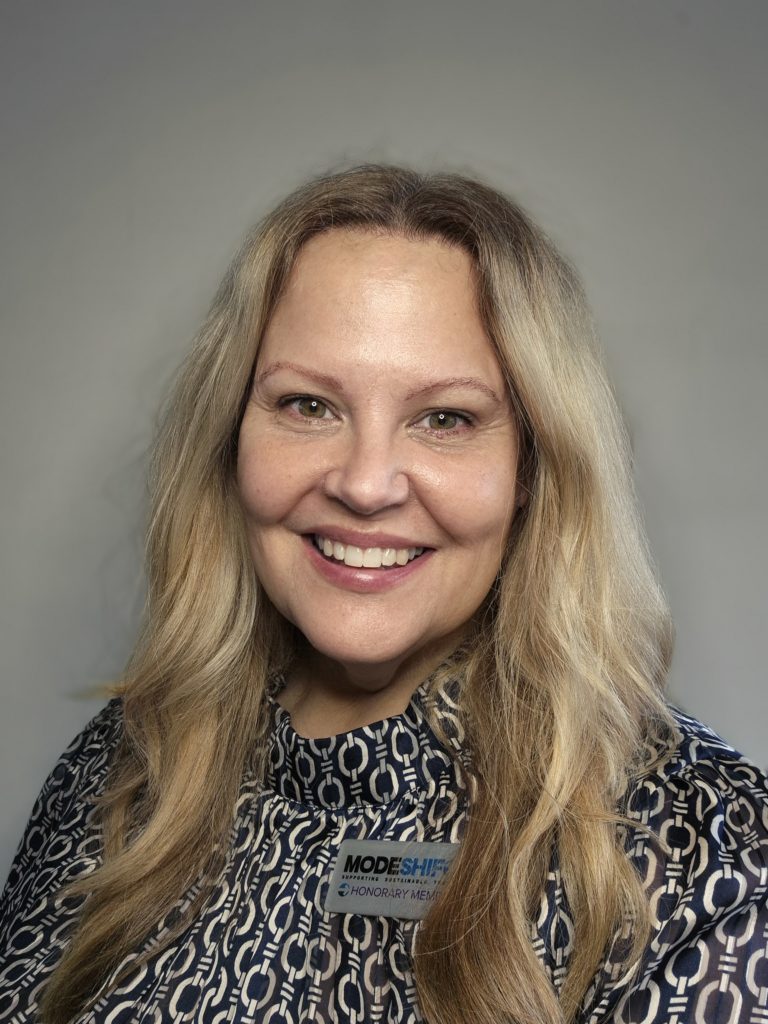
(361,653)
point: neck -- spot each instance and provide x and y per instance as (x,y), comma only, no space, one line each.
(326,697)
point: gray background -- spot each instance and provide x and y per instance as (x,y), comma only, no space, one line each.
(141,139)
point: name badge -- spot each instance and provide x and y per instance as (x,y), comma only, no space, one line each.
(385,878)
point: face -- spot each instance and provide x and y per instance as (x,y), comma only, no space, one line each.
(377,453)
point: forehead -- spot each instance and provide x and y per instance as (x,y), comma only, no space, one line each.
(382,298)
(388,253)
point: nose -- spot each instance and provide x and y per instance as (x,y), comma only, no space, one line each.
(367,474)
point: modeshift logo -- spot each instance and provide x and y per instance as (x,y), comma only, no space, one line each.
(405,867)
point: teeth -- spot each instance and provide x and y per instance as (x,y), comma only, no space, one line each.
(353,556)
(370,558)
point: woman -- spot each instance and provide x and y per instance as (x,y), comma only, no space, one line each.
(393,744)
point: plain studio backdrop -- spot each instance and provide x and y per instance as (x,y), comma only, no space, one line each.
(141,140)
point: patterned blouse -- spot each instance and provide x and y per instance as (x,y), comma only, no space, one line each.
(266,950)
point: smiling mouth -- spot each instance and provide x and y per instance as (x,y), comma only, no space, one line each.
(366,558)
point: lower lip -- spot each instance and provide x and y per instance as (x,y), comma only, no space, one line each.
(362,580)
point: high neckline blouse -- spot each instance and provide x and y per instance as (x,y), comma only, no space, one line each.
(264,948)
(370,765)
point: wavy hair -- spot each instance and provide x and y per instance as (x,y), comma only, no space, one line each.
(559,689)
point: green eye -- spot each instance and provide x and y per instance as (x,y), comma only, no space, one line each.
(311,408)
(443,420)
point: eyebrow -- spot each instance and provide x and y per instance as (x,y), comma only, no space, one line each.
(453,382)
(320,378)
(326,380)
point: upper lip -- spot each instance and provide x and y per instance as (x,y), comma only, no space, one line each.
(365,540)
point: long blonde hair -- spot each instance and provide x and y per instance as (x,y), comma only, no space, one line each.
(558,690)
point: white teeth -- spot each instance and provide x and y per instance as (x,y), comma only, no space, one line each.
(370,558)
(353,556)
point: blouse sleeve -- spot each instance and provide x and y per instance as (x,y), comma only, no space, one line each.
(708,960)
(58,844)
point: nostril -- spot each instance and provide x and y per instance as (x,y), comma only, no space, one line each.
(366,491)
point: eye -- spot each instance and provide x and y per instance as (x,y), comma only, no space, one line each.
(444,422)
(306,406)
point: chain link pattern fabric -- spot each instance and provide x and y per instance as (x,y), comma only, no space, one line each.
(265,950)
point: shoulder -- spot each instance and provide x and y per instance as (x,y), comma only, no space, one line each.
(56,842)
(103,731)
(699,774)
(700,846)
(700,748)
(702,839)
(82,768)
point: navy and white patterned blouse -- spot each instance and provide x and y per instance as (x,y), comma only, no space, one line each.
(265,949)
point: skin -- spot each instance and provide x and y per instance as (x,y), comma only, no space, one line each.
(383,315)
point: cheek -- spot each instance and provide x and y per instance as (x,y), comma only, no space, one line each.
(267,485)
(477,504)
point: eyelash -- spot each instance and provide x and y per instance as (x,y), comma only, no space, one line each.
(289,400)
